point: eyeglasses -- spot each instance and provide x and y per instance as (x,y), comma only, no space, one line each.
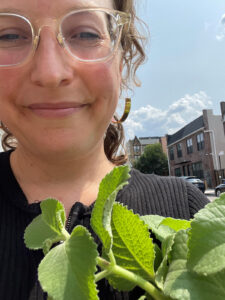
(88,35)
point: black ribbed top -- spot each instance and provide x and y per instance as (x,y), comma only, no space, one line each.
(145,194)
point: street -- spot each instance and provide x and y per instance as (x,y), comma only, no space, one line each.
(210,194)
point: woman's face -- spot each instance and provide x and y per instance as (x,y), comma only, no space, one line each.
(53,102)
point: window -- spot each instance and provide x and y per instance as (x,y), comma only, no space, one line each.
(184,170)
(177,172)
(136,157)
(200,141)
(197,170)
(171,153)
(189,146)
(137,149)
(179,150)
(189,170)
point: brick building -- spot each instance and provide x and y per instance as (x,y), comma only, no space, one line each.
(136,147)
(198,148)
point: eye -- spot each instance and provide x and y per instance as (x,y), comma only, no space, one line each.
(11,36)
(86,35)
(13,39)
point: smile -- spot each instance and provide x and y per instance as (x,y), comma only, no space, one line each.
(55,110)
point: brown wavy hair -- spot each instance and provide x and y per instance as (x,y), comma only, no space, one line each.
(133,56)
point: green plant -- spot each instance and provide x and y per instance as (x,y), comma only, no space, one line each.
(190,264)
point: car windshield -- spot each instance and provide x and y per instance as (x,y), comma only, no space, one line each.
(194,180)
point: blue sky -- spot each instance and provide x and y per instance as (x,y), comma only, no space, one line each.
(185,70)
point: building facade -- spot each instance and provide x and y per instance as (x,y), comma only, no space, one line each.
(222,106)
(135,147)
(198,149)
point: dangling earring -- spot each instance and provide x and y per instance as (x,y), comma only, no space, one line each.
(125,113)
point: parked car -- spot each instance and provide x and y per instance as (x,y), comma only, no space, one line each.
(196,181)
(220,188)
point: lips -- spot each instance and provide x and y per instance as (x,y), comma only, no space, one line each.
(55,110)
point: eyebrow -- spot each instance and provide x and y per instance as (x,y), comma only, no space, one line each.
(11,10)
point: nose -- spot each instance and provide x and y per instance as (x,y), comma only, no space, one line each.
(50,64)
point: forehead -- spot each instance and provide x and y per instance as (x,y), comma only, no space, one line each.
(49,8)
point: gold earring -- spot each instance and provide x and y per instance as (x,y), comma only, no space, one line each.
(125,113)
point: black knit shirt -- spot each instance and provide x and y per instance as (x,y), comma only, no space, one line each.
(145,194)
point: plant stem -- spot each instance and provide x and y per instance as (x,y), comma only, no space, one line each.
(138,280)
(104,264)
(130,276)
(112,258)
(65,234)
(101,275)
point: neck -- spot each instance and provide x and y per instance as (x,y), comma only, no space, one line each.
(67,178)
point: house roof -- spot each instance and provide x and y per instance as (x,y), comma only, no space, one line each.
(149,140)
(186,130)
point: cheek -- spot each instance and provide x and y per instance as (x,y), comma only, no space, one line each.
(10,81)
(105,80)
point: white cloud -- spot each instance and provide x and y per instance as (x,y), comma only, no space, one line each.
(151,121)
(222,20)
(221,29)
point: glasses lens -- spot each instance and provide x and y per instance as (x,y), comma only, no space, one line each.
(15,40)
(90,34)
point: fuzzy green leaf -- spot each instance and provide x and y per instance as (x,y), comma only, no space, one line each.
(158,257)
(67,271)
(176,224)
(164,266)
(47,228)
(132,247)
(53,213)
(101,214)
(154,224)
(38,233)
(184,284)
(207,239)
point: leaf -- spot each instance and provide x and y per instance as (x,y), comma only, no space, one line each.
(176,224)
(47,228)
(161,232)
(184,284)
(53,213)
(101,214)
(158,257)
(164,266)
(207,239)
(67,271)
(132,247)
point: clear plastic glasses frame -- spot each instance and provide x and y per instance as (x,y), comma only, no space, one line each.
(120,19)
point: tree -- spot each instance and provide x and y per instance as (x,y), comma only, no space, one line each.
(153,160)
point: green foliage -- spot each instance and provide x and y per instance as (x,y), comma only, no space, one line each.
(132,247)
(208,225)
(189,265)
(68,269)
(101,215)
(47,228)
(153,160)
